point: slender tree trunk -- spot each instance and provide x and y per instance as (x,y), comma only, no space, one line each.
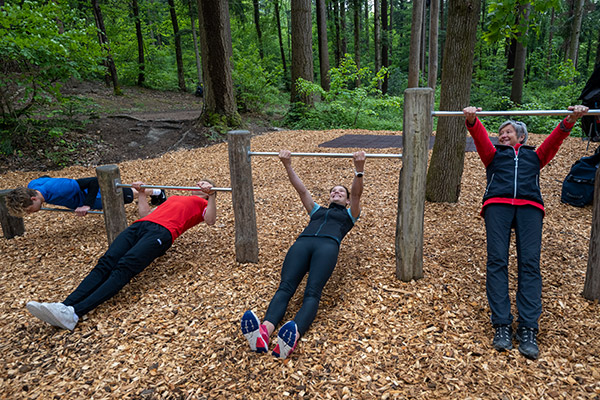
(193,16)
(278,20)
(140,42)
(323,47)
(258,31)
(109,62)
(219,107)
(366,24)
(573,51)
(423,41)
(343,27)
(391,29)
(432,70)
(447,159)
(377,33)
(178,53)
(302,56)
(550,46)
(516,94)
(415,40)
(357,36)
(338,42)
(385,59)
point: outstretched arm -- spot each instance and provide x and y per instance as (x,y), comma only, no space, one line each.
(357,184)
(143,206)
(307,200)
(210,214)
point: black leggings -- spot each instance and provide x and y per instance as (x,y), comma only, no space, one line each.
(128,255)
(315,255)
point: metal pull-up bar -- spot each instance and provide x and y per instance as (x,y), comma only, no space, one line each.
(338,155)
(69,210)
(216,189)
(512,112)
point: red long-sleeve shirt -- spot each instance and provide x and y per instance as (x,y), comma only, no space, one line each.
(545,153)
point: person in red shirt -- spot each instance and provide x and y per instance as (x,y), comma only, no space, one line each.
(513,200)
(131,252)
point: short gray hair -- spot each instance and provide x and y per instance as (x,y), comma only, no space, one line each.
(520,129)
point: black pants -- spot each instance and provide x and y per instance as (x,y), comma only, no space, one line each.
(316,256)
(128,255)
(527,223)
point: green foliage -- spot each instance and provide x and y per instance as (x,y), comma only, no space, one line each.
(503,18)
(347,105)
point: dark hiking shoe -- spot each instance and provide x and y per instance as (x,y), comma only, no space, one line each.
(503,338)
(157,200)
(527,338)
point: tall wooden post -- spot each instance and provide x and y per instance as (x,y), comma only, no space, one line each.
(115,218)
(11,226)
(240,169)
(417,128)
(591,287)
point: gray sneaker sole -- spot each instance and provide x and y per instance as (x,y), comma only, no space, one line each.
(41,313)
(51,316)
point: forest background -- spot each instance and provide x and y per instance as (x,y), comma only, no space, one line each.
(354,59)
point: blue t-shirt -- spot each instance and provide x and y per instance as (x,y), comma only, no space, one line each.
(62,192)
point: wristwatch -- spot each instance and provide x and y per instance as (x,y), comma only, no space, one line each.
(359,174)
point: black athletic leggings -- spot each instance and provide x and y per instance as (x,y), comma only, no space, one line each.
(316,256)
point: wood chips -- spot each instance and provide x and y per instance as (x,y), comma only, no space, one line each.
(173,332)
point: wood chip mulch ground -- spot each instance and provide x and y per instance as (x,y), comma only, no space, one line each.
(173,332)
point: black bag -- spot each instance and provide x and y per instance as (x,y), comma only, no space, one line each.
(578,186)
(590,96)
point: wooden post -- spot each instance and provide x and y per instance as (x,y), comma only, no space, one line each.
(115,218)
(417,127)
(11,226)
(240,169)
(591,287)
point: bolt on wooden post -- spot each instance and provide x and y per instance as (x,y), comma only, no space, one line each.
(417,128)
(242,196)
(115,217)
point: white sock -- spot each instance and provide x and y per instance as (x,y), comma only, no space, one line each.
(155,192)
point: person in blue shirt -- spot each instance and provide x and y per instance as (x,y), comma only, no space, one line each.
(315,253)
(79,195)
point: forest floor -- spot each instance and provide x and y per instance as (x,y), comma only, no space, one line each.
(142,123)
(173,332)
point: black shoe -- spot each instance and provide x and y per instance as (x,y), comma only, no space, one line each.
(157,200)
(503,338)
(527,338)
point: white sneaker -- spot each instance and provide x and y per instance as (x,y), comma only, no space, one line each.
(37,311)
(62,316)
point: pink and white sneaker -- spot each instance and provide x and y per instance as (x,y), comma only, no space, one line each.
(257,334)
(287,340)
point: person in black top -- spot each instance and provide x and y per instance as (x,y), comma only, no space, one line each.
(314,252)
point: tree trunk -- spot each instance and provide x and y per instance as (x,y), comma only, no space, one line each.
(516,93)
(432,70)
(597,52)
(258,31)
(550,47)
(573,50)
(385,38)
(447,159)
(415,40)
(366,25)
(219,107)
(591,286)
(357,36)
(278,20)
(338,42)
(323,47)
(178,54)
(377,33)
(423,40)
(140,42)
(343,28)
(193,16)
(302,56)
(103,39)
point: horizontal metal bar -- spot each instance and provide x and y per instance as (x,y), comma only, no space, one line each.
(68,210)
(511,112)
(338,155)
(216,189)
